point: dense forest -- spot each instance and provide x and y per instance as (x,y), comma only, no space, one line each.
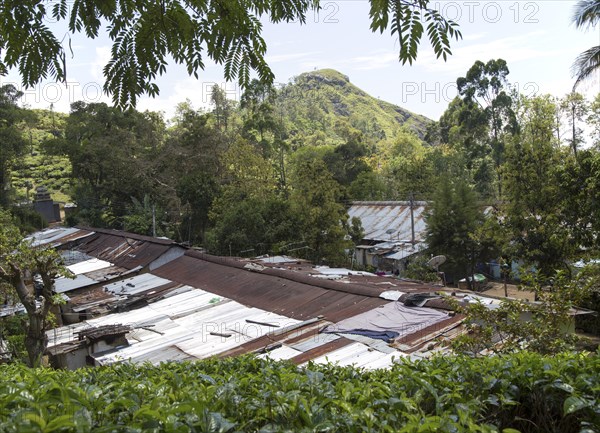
(274,172)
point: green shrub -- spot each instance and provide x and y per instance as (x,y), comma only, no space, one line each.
(28,220)
(523,392)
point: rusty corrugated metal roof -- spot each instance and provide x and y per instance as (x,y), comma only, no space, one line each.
(291,294)
(421,337)
(123,249)
(58,236)
(390,220)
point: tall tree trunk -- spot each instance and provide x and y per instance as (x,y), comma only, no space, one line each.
(36,340)
(574,142)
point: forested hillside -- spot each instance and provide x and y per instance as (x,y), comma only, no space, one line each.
(274,172)
(37,165)
(320,107)
(315,143)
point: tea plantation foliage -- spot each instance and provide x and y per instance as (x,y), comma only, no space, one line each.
(523,392)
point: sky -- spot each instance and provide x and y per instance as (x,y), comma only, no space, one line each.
(536,38)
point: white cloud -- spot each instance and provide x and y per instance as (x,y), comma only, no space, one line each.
(381,60)
(513,49)
(474,36)
(97,65)
(278,58)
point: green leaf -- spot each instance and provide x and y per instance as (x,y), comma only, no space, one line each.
(573,404)
(61,422)
(36,419)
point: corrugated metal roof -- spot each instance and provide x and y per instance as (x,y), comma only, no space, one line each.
(194,323)
(58,236)
(9,310)
(126,250)
(406,252)
(134,285)
(271,291)
(223,309)
(63,285)
(326,270)
(281,353)
(314,341)
(89,265)
(359,355)
(323,348)
(383,221)
(89,278)
(65,334)
(278,259)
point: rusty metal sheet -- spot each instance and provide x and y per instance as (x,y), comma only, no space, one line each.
(123,249)
(321,350)
(421,337)
(269,292)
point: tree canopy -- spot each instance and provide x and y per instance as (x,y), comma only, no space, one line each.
(145,35)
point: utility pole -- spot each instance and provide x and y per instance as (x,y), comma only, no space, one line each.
(412,219)
(153,220)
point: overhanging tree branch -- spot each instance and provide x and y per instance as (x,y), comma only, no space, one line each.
(146,34)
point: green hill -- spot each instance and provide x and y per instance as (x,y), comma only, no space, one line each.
(323,107)
(318,108)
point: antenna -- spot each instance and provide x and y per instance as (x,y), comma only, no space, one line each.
(436,262)
(389,232)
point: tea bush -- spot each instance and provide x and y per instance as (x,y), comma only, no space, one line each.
(523,392)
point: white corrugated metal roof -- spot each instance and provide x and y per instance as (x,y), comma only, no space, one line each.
(139,317)
(137,284)
(195,324)
(326,270)
(314,341)
(406,252)
(185,303)
(64,334)
(277,259)
(88,266)
(50,236)
(281,353)
(389,220)
(184,325)
(359,355)
(9,310)
(63,285)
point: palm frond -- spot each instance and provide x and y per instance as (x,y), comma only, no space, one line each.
(585,65)
(586,14)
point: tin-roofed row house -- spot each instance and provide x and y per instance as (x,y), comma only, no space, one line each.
(204,306)
(97,257)
(393,232)
(198,306)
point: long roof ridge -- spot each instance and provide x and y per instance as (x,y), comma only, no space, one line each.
(350,288)
(389,203)
(124,234)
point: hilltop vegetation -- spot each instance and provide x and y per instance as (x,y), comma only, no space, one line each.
(323,106)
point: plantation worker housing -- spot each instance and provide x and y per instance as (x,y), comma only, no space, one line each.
(394,231)
(145,299)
